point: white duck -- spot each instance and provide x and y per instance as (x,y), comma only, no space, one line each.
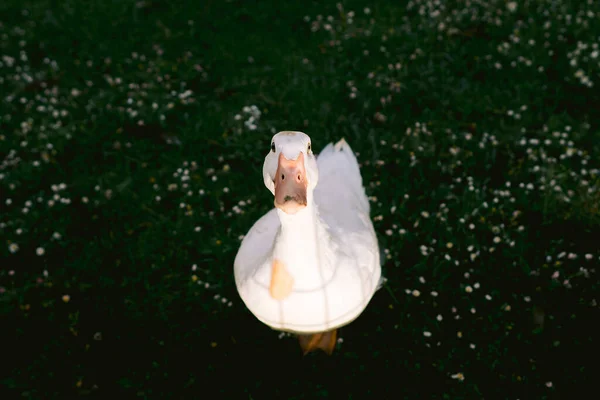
(310,265)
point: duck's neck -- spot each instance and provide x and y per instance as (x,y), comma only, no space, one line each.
(302,244)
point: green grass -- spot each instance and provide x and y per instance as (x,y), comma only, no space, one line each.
(478,133)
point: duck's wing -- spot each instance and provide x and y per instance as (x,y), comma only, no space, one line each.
(340,189)
(344,206)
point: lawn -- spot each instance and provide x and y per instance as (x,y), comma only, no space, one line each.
(132,135)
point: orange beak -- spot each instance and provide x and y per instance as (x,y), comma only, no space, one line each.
(290,184)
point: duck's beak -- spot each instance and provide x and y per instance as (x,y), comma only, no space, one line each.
(290,184)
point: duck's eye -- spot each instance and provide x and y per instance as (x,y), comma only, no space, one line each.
(273,147)
(308,148)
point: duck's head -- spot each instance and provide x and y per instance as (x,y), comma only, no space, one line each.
(290,171)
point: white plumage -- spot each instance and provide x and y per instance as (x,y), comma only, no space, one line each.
(329,248)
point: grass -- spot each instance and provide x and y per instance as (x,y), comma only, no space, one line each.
(132,135)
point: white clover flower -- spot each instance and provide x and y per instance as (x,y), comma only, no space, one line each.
(459,376)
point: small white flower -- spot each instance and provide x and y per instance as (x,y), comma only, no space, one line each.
(40,251)
(427,334)
(460,376)
(13,247)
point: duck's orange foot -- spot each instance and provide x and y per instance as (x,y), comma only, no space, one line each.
(282,282)
(323,340)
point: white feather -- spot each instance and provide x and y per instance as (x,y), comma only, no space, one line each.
(336,279)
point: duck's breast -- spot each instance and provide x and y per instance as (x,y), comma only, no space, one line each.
(256,247)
